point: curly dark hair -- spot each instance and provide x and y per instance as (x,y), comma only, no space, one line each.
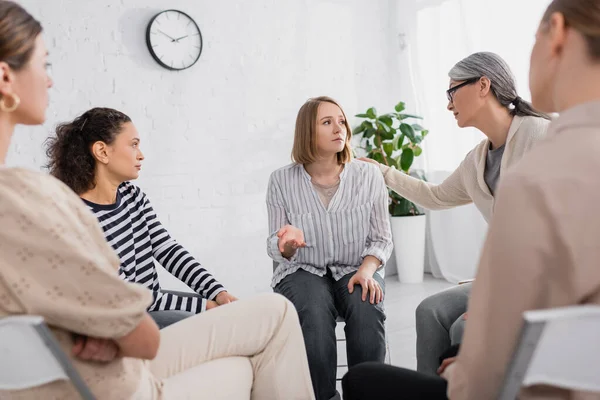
(70,157)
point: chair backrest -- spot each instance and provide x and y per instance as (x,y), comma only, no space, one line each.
(558,347)
(30,356)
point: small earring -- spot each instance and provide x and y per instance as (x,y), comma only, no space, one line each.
(16,102)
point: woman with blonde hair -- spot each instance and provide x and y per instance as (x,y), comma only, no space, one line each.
(329,232)
(56,263)
(543,245)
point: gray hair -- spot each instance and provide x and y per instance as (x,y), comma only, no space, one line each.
(503,86)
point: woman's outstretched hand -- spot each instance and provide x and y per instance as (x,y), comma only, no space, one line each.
(290,240)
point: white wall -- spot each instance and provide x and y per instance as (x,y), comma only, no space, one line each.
(212,134)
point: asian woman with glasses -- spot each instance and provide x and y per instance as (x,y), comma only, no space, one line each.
(482,94)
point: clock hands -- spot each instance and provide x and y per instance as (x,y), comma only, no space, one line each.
(172,40)
(178,39)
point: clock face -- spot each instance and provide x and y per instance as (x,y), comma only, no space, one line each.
(174,40)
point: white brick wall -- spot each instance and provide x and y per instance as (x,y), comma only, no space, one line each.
(213,133)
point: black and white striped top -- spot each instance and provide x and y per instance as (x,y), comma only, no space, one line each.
(356,223)
(133,230)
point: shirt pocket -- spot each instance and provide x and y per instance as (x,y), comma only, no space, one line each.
(354,224)
(305,222)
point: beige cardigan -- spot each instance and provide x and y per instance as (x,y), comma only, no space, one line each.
(542,251)
(466,184)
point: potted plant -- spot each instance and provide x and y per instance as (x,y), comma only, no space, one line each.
(393,140)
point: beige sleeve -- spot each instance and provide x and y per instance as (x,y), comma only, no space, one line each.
(518,259)
(448,194)
(56,263)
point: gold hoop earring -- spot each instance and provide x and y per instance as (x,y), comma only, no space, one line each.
(16,102)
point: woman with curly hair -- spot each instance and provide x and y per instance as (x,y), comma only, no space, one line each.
(97,155)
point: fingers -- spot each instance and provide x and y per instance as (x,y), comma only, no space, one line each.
(373,291)
(442,367)
(78,345)
(351,284)
(365,289)
(291,239)
(445,364)
(282,231)
(91,349)
(379,294)
(210,304)
(94,349)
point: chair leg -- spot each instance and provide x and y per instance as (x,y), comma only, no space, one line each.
(388,354)
(339,378)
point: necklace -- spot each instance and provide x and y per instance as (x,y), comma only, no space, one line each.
(328,189)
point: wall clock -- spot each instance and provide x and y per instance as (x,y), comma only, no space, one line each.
(174,40)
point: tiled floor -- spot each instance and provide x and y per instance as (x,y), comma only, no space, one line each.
(400,303)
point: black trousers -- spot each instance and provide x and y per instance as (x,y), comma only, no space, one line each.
(371,380)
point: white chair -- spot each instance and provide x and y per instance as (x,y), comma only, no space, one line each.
(30,356)
(558,347)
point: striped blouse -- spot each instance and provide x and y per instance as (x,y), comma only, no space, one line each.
(356,223)
(132,229)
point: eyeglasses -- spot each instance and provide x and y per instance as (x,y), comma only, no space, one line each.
(450,92)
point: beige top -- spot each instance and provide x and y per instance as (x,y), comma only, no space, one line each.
(467,183)
(56,263)
(326,193)
(542,251)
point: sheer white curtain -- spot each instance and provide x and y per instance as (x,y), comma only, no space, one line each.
(444,32)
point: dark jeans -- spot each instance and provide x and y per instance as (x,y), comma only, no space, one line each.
(383,382)
(166,318)
(318,301)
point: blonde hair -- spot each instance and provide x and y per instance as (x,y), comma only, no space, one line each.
(305,149)
(583,16)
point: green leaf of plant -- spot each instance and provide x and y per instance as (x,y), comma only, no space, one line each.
(401,209)
(388,135)
(418,139)
(370,132)
(417,150)
(406,159)
(386,119)
(400,107)
(378,157)
(359,129)
(424,133)
(368,147)
(408,131)
(398,141)
(382,127)
(367,124)
(417,127)
(405,116)
(398,159)
(361,116)
(392,162)
(388,148)
(372,113)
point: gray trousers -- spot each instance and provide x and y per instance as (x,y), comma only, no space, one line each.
(166,318)
(319,300)
(440,324)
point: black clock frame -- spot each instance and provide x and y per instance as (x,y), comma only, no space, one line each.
(151,50)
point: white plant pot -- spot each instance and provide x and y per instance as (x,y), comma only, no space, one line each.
(409,245)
